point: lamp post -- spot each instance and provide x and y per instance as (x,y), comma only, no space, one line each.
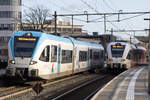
(148,57)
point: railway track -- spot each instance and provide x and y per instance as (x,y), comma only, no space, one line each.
(14,91)
(52,89)
(83,91)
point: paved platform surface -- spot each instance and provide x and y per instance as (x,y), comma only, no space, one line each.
(130,85)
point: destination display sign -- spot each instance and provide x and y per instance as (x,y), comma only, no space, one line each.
(26,39)
(117,46)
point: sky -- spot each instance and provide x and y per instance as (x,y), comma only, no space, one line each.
(101,6)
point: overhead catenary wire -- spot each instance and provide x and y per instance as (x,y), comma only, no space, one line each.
(128,25)
(112,3)
(102,17)
(51,14)
(97,20)
(105,2)
(88,5)
(95,11)
(132,17)
(63,2)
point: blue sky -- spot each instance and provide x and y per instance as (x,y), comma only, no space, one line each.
(101,6)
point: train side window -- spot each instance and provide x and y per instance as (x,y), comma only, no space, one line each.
(45,54)
(66,56)
(82,55)
(53,53)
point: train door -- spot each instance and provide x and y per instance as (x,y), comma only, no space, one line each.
(89,60)
(44,61)
(129,60)
(91,57)
(74,60)
(59,58)
(53,59)
(101,58)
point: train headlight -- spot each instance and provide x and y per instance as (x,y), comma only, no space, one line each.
(33,62)
(12,61)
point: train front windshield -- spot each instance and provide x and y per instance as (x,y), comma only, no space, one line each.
(117,51)
(24,46)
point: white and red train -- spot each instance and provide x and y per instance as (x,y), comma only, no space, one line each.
(123,55)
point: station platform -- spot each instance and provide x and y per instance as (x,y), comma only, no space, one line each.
(129,85)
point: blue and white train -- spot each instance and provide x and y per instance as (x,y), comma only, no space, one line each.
(36,54)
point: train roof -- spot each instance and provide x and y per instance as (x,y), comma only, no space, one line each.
(44,36)
(141,48)
(113,43)
(132,45)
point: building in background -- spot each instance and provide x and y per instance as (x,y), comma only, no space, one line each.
(64,28)
(10,17)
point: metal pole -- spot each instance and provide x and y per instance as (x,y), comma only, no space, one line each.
(55,16)
(149,61)
(104,23)
(111,31)
(148,57)
(72,26)
(130,40)
(111,34)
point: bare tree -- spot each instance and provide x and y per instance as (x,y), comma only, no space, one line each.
(36,17)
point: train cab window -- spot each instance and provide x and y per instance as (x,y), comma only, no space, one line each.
(66,56)
(117,50)
(24,46)
(53,53)
(82,55)
(45,54)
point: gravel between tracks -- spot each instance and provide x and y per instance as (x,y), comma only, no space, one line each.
(54,88)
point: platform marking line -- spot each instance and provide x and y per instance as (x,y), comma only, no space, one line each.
(116,94)
(130,90)
(101,90)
